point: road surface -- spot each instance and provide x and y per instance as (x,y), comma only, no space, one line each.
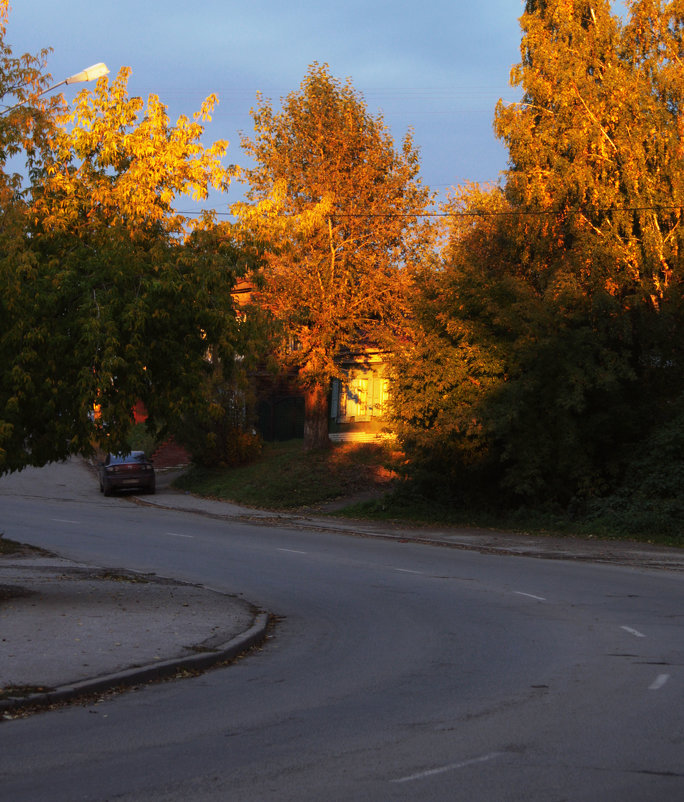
(396,671)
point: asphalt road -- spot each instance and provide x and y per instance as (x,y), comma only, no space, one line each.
(396,671)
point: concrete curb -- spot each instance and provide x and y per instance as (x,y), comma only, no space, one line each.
(242,643)
(634,554)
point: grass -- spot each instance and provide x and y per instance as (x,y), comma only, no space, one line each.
(11,547)
(358,481)
(285,477)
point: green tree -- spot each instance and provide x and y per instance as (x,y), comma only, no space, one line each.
(336,209)
(109,295)
(453,352)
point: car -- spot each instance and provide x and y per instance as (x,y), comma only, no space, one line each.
(127,472)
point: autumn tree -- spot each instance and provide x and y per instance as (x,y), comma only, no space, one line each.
(597,138)
(557,306)
(25,122)
(110,295)
(596,175)
(24,114)
(336,208)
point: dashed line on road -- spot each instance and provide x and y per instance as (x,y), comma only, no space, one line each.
(421,775)
(177,534)
(658,682)
(64,521)
(407,571)
(529,595)
(293,551)
(634,632)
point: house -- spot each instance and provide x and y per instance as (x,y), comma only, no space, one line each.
(358,400)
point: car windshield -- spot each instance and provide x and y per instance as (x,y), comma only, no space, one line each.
(121,459)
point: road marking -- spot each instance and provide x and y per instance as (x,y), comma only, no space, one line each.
(658,682)
(451,767)
(64,521)
(293,551)
(407,571)
(175,534)
(529,595)
(634,632)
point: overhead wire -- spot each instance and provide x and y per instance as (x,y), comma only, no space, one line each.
(477,213)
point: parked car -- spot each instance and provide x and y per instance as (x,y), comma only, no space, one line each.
(127,472)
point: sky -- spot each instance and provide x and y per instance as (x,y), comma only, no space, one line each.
(437,66)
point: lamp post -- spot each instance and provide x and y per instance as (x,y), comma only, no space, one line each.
(89,74)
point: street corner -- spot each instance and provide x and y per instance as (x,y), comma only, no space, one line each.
(69,630)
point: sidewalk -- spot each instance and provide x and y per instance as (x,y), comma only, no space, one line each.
(67,630)
(622,552)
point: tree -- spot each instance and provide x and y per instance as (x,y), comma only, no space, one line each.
(556,310)
(596,166)
(25,122)
(109,295)
(25,116)
(336,209)
(597,139)
(453,353)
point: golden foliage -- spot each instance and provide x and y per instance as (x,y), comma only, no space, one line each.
(335,208)
(598,138)
(116,160)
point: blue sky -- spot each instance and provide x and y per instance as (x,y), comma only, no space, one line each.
(438,66)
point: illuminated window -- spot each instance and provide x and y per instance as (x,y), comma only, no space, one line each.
(354,399)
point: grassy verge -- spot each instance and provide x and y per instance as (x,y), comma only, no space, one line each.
(286,477)
(357,481)
(11,547)
(543,523)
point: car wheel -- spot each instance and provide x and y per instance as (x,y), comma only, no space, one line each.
(106,489)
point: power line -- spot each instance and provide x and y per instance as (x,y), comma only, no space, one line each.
(477,213)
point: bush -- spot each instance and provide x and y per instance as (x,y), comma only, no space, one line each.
(650,499)
(140,438)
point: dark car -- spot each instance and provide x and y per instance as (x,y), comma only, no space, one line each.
(126,472)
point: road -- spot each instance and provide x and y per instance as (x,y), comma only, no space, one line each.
(396,671)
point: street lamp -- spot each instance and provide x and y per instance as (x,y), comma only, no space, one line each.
(89,74)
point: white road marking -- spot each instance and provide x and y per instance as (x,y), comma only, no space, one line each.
(293,551)
(634,632)
(64,521)
(529,595)
(407,571)
(658,682)
(451,767)
(175,534)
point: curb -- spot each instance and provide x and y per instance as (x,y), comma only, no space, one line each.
(234,648)
(631,554)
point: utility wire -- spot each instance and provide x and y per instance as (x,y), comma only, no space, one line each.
(482,213)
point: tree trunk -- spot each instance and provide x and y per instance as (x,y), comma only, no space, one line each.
(316,418)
